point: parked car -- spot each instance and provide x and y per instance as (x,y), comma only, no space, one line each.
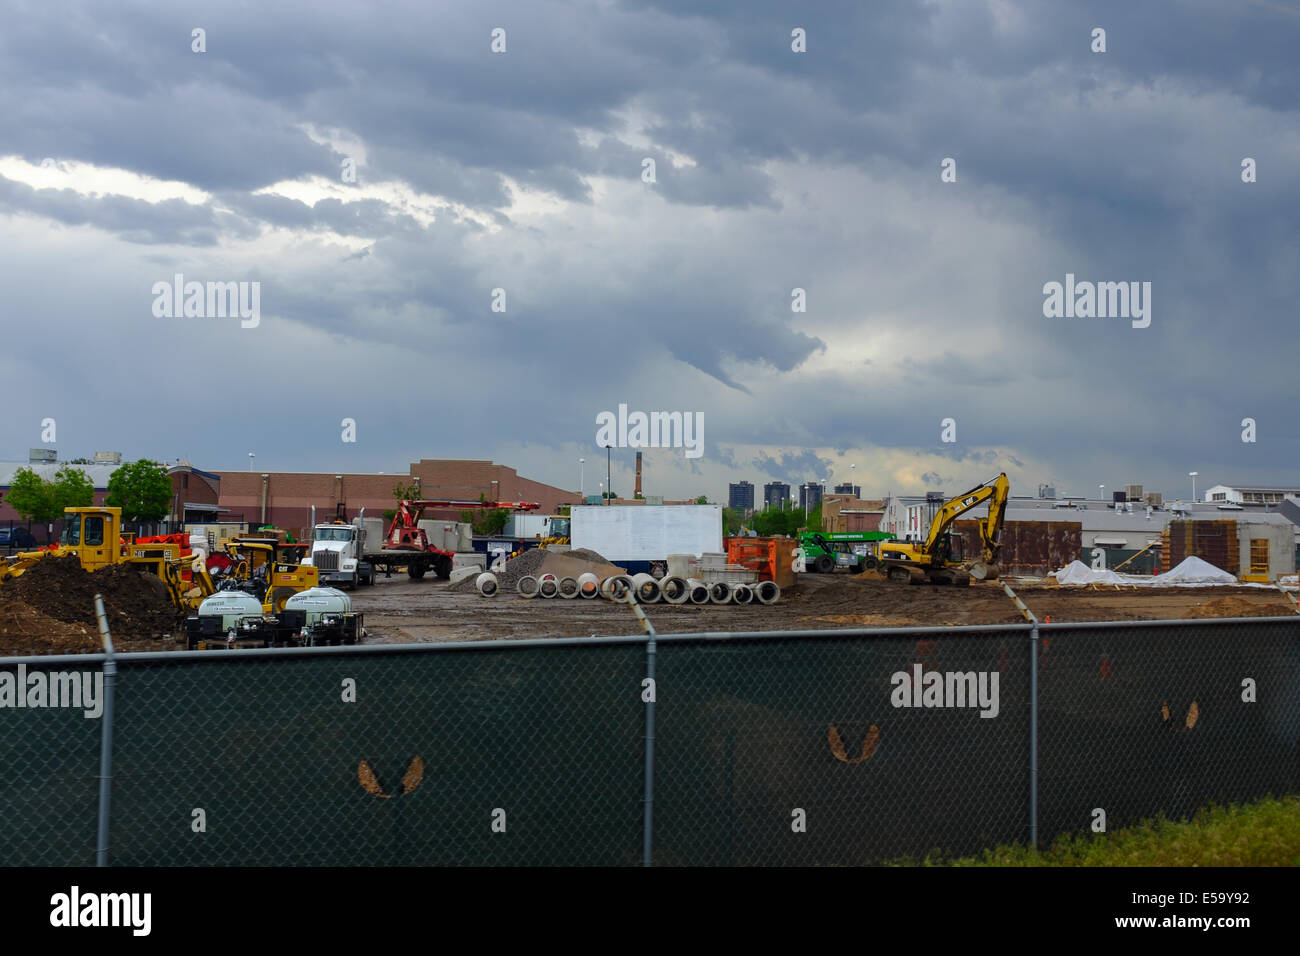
(17,538)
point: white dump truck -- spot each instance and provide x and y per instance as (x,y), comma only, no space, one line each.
(338,552)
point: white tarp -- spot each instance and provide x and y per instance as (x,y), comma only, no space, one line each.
(1192,572)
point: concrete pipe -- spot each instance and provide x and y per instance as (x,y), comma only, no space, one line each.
(588,585)
(699,591)
(767,592)
(647,588)
(527,586)
(720,592)
(742,594)
(615,587)
(486,584)
(675,590)
(548,585)
(568,588)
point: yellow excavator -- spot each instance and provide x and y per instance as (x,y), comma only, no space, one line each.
(939,558)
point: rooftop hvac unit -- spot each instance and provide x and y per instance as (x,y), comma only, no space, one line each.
(1154,498)
(42,454)
(1134,492)
(107,458)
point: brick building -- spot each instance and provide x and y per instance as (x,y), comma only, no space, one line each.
(285,499)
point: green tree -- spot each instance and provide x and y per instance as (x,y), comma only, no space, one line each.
(777,521)
(731,521)
(702,500)
(142,489)
(486,520)
(43,501)
(403,492)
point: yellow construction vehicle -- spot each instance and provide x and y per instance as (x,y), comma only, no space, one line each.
(94,535)
(939,558)
(266,568)
(557,531)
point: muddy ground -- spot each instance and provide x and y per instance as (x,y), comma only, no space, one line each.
(398,609)
(50,612)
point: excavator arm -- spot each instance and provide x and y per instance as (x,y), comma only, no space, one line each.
(996,493)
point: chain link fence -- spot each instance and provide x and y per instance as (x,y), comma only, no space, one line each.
(818,748)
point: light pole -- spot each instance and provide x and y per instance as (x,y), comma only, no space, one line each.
(1193,475)
(852,486)
(581,486)
(251,456)
(609,479)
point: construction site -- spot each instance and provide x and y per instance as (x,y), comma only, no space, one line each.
(615,568)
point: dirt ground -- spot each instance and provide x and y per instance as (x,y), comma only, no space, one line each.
(398,609)
(49,611)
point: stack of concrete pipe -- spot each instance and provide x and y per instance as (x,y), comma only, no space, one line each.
(672,589)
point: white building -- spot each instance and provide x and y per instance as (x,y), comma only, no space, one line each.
(1250,494)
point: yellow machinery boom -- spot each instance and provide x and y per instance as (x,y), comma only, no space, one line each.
(938,558)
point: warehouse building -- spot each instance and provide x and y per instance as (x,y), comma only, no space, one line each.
(286,499)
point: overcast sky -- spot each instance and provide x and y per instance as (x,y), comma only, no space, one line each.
(127,157)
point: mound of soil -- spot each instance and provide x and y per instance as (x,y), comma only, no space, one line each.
(25,630)
(136,602)
(540,561)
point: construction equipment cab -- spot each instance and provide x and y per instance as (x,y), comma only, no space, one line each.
(939,559)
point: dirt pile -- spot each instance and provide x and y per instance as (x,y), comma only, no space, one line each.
(542,561)
(25,630)
(136,602)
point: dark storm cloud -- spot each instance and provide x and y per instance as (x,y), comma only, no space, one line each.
(1113,166)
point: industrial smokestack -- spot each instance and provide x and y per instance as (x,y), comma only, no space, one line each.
(638,474)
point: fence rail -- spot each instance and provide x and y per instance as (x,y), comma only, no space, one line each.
(785,748)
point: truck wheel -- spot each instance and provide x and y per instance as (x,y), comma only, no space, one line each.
(415,571)
(442,568)
(824,564)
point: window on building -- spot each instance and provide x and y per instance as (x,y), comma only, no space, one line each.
(185,481)
(1259,555)
(1219,496)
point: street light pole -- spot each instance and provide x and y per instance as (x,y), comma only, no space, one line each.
(609,479)
(582,493)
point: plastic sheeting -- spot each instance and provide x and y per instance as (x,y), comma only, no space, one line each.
(1191,572)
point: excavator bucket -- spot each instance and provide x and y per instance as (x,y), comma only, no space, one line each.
(981,571)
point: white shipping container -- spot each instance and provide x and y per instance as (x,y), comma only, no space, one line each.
(647,532)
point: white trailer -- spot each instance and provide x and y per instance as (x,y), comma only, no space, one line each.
(642,536)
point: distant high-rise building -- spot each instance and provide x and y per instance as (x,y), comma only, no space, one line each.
(847,489)
(740,496)
(776,494)
(810,495)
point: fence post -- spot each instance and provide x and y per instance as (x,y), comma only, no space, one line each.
(1033,711)
(1033,735)
(106,736)
(648,801)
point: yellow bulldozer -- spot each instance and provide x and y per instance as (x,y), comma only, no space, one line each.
(95,536)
